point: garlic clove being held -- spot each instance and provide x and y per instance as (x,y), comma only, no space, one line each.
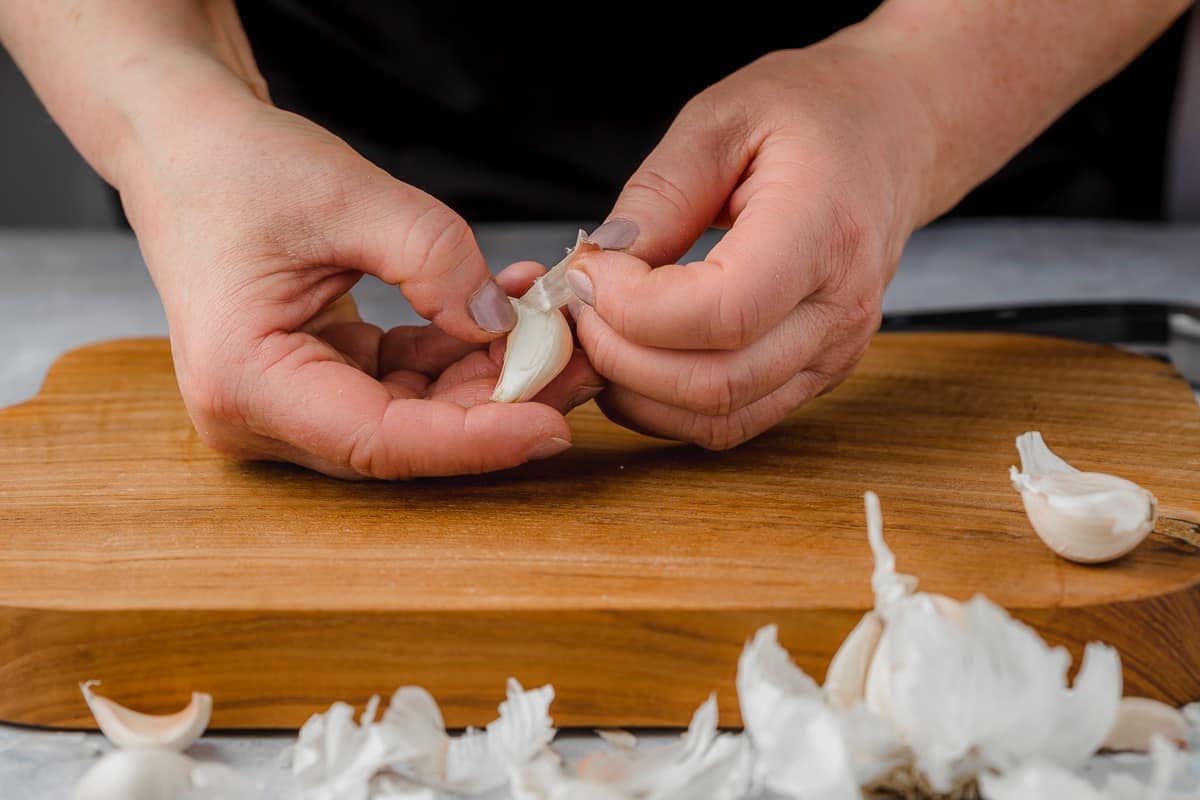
(1089,517)
(540,344)
(539,347)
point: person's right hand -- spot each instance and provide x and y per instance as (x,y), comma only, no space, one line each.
(255,224)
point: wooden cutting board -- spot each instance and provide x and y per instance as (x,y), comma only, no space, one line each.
(628,572)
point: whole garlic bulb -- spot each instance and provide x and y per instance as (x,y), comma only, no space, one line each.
(1089,517)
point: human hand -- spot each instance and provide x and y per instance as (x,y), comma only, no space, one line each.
(812,159)
(255,224)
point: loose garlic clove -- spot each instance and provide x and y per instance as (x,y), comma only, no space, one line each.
(125,727)
(156,774)
(1140,719)
(540,344)
(846,678)
(1087,517)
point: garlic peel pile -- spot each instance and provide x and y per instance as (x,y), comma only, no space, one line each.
(1088,517)
(927,692)
(540,344)
(125,727)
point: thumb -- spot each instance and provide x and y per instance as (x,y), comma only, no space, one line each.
(680,189)
(408,238)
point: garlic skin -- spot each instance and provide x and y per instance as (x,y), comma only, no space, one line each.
(125,727)
(540,344)
(1088,517)
(539,347)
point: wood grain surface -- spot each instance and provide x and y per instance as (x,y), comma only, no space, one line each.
(627,572)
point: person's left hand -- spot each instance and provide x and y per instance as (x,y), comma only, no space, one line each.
(813,158)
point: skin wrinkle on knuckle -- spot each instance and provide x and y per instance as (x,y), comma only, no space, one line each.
(425,239)
(655,183)
(735,324)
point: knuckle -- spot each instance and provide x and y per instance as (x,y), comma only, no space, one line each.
(736,323)
(719,433)
(214,410)
(439,242)
(661,188)
(716,389)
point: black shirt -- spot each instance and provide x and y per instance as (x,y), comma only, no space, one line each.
(509,113)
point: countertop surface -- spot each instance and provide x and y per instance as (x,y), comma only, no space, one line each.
(61,290)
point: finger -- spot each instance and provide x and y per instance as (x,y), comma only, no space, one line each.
(681,187)
(711,432)
(772,259)
(518,277)
(405,384)
(421,348)
(430,350)
(358,341)
(307,399)
(407,238)
(710,382)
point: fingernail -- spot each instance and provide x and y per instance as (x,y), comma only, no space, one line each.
(491,309)
(547,448)
(616,234)
(582,395)
(581,285)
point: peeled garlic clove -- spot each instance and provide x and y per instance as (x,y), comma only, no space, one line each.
(125,727)
(1087,517)
(1139,719)
(157,774)
(539,348)
(846,678)
(143,774)
(540,344)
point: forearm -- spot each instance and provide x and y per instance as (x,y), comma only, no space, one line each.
(111,73)
(992,74)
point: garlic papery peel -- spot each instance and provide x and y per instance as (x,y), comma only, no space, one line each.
(337,759)
(540,344)
(125,727)
(1089,517)
(160,774)
(954,693)
(551,291)
(1038,779)
(1140,719)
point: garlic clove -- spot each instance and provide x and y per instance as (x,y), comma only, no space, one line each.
(1087,517)
(539,347)
(846,678)
(1140,719)
(540,344)
(125,727)
(142,774)
(157,774)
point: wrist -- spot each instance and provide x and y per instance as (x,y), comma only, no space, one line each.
(163,104)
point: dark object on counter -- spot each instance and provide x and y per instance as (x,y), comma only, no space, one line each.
(1170,333)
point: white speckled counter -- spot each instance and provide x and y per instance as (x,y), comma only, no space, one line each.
(61,290)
